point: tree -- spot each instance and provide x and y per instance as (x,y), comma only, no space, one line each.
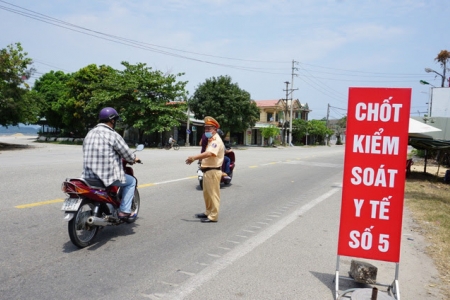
(443,57)
(270,132)
(339,128)
(145,99)
(299,129)
(223,100)
(318,130)
(16,106)
(80,111)
(53,89)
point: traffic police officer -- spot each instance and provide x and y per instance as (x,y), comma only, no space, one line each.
(211,166)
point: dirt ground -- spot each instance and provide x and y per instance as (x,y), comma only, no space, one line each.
(432,167)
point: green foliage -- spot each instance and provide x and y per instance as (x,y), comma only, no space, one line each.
(140,95)
(299,129)
(223,100)
(443,58)
(17,105)
(80,111)
(271,131)
(145,99)
(316,129)
(53,89)
(339,129)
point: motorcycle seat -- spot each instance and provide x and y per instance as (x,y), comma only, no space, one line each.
(95,183)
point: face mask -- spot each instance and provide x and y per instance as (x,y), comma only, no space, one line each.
(208,135)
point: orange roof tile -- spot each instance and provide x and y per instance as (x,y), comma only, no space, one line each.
(263,103)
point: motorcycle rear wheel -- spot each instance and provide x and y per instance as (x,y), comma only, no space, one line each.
(80,233)
(135,205)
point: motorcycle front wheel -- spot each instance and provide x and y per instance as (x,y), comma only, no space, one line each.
(135,205)
(176,147)
(80,233)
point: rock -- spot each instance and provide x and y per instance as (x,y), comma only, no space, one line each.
(363,272)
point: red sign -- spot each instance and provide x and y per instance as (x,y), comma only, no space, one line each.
(374,173)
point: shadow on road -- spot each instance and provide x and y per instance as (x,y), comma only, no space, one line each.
(105,235)
(5,146)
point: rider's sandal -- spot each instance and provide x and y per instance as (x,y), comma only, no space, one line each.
(123,215)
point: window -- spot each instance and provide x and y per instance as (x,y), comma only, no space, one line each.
(270,117)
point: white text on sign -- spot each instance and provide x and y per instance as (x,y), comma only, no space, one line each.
(364,240)
(385,112)
(379,210)
(375,144)
(372,177)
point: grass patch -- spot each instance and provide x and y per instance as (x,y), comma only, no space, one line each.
(428,198)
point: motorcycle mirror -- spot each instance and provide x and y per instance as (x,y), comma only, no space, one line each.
(139,147)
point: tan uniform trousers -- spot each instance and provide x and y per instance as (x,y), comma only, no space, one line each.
(211,193)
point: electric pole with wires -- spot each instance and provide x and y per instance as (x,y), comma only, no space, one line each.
(292,101)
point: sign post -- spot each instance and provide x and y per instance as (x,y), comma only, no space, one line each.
(374,176)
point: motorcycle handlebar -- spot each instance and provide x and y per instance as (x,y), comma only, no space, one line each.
(128,163)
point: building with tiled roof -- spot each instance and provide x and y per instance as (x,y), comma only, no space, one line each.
(276,113)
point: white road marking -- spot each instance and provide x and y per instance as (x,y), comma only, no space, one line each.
(210,272)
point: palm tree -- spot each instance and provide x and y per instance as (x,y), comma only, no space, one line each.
(443,57)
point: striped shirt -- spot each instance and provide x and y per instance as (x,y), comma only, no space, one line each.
(103,149)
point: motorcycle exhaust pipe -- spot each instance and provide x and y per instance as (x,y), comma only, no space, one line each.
(95,221)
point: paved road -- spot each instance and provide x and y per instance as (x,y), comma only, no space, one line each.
(276,237)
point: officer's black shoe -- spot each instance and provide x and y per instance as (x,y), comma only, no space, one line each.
(201,216)
(207,221)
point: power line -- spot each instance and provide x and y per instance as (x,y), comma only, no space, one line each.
(125,41)
(164,50)
(364,72)
(48,65)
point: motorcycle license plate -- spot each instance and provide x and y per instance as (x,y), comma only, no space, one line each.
(71,204)
(199,173)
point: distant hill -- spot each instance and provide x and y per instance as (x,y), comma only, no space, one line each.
(24,129)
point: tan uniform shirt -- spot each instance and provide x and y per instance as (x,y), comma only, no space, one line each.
(216,147)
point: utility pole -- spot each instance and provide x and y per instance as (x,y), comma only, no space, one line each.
(187,127)
(286,112)
(292,101)
(328,116)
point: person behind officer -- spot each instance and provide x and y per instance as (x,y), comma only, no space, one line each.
(103,150)
(211,166)
(226,160)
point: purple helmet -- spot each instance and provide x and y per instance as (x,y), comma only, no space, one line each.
(107,114)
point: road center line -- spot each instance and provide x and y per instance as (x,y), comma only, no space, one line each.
(62,200)
(139,186)
(244,248)
(39,203)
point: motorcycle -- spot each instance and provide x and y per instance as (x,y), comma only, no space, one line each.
(91,206)
(222,180)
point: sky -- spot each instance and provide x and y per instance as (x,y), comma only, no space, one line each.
(329,45)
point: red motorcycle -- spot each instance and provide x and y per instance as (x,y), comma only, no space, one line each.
(222,180)
(90,206)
